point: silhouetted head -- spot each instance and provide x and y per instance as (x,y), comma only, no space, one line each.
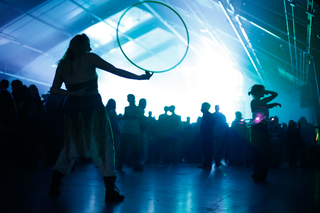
(166,109)
(217,108)
(257,90)
(131,99)
(302,120)
(172,108)
(16,85)
(205,107)
(150,114)
(33,92)
(4,84)
(238,115)
(276,119)
(142,103)
(33,89)
(292,124)
(79,45)
(111,105)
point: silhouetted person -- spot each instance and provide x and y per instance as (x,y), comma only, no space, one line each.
(19,92)
(131,134)
(274,129)
(206,130)
(162,133)
(260,138)
(219,133)
(55,108)
(172,145)
(186,138)
(87,130)
(113,117)
(31,112)
(4,84)
(194,153)
(292,140)
(283,127)
(7,108)
(237,143)
(144,130)
(153,145)
(7,119)
(308,150)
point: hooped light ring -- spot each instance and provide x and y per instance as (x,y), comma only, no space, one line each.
(118,39)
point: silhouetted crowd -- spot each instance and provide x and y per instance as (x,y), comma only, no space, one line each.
(31,128)
(32,131)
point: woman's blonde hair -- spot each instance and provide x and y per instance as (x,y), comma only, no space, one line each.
(77,45)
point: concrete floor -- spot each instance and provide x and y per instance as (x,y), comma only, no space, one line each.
(171,189)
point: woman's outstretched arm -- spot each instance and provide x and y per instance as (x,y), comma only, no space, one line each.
(100,63)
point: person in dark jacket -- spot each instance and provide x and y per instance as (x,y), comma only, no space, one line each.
(206,130)
(292,139)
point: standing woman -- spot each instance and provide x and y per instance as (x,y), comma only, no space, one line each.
(260,139)
(87,129)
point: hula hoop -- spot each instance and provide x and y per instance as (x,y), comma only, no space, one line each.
(185,26)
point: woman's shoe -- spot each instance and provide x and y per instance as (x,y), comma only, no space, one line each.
(55,187)
(112,191)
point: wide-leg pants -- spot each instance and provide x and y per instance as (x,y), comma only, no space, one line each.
(261,150)
(87,134)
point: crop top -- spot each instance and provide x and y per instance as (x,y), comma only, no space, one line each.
(259,114)
(89,85)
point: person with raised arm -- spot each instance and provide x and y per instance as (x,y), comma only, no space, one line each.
(87,129)
(260,138)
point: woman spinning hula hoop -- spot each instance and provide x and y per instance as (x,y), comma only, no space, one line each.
(87,129)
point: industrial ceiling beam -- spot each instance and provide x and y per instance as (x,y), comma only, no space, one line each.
(310,14)
(288,32)
(122,33)
(300,22)
(215,41)
(35,18)
(244,40)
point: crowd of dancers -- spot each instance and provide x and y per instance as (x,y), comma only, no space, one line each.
(140,138)
(72,123)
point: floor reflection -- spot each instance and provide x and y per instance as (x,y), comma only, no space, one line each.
(183,188)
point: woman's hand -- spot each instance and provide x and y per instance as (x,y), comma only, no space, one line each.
(277,104)
(146,76)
